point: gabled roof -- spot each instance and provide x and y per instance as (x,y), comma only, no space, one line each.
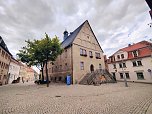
(3,45)
(136,46)
(144,47)
(69,40)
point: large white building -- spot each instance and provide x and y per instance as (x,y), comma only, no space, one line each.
(14,69)
(134,62)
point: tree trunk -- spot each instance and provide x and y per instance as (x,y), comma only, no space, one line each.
(47,78)
(42,74)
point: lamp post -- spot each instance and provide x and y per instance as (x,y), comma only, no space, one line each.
(47,52)
(124,76)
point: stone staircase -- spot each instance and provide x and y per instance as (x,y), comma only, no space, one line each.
(97,77)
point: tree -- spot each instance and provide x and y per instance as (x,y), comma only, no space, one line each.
(39,52)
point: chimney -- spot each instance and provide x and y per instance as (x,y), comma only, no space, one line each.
(129,45)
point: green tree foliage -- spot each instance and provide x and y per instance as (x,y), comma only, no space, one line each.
(39,52)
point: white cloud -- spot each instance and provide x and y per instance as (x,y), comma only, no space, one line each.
(116,23)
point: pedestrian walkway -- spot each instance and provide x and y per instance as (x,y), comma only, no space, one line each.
(29,98)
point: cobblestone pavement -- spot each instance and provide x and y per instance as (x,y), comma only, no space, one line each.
(75,99)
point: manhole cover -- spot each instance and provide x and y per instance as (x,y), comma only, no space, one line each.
(19,94)
(57,96)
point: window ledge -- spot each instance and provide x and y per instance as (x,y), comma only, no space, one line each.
(140,79)
(138,66)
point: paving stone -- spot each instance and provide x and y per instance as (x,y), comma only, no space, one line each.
(29,98)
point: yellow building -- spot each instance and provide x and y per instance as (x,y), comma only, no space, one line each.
(5,58)
(82,54)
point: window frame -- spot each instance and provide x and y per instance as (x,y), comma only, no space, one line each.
(121,76)
(134,63)
(135,53)
(90,54)
(81,65)
(120,65)
(100,66)
(139,62)
(122,56)
(127,76)
(118,56)
(124,65)
(141,77)
(114,66)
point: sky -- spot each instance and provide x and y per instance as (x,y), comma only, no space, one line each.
(116,23)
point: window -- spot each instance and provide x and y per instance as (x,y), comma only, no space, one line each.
(90,54)
(3,53)
(127,75)
(134,63)
(60,67)
(122,56)
(82,65)
(135,53)
(83,52)
(97,55)
(60,78)
(6,56)
(124,65)
(139,63)
(114,65)
(6,67)
(118,56)
(121,75)
(65,53)
(2,65)
(140,76)
(100,66)
(120,65)
(66,66)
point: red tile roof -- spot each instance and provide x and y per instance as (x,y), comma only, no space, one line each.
(136,46)
(144,49)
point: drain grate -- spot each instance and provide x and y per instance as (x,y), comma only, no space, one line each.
(57,96)
(19,94)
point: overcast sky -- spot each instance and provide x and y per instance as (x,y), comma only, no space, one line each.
(116,23)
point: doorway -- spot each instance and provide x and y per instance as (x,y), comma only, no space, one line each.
(114,76)
(91,68)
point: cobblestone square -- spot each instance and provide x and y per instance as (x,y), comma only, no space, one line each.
(29,98)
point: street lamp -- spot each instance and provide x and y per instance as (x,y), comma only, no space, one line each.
(124,76)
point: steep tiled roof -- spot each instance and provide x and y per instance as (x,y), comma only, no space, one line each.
(136,46)
(3,45)
(68,41)
(144,49)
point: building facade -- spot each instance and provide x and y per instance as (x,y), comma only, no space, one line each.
(133,62)
(27,73)
(5,58)
(14,70)
(30,74)
(82,54)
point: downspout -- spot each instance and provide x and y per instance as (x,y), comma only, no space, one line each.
(72,63)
